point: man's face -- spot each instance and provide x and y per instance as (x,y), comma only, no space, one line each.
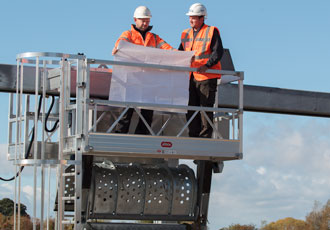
(196,21)
(142,23)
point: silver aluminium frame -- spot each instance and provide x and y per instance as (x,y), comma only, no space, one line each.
(79,136)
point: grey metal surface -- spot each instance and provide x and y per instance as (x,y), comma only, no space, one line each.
(256,98)
(49,54)
(52,163)
(135,192)
(159,191)
(131,188)
(184,191)
(276,100)
(8,78)
(99,86)
(162,147)
(106,190)
(51,151)
(227,61)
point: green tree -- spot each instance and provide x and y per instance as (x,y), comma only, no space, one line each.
(7,207)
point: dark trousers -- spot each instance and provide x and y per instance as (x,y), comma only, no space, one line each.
(201,93)
(123,124)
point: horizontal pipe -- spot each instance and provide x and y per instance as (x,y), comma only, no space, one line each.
(256,98)
(276,100)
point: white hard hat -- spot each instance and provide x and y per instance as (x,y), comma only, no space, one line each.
(197,9)
(142,12)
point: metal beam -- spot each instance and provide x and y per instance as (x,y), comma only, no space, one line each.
(256,98)
(276,100)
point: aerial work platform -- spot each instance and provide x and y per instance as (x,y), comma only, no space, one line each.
(113,176)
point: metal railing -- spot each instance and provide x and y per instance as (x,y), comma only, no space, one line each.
(234,115)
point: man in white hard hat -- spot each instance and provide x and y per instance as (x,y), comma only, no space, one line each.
(139,34)
(206,42)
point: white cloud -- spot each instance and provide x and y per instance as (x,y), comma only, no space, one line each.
(7,186)
(28,190)
(6,190)
(261,170)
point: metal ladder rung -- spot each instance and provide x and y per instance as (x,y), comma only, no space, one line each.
(67,222)
(68,198)
(69,174)
(71,107)
(68,151)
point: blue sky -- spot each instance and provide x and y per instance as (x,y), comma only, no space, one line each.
(279,43)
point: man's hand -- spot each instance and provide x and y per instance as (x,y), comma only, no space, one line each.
(114,51)
(192,59)
(202,69)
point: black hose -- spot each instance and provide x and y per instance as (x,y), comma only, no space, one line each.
(47,115)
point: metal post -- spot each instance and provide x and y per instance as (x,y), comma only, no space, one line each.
(233,126)
(43,145)
(60,202)
(80,104)
(216,104)
(240,115)
(16,143)
(204,178)
(35,152)
(86,105)
(20,128)
(48,197)
(26,121)
(94,117)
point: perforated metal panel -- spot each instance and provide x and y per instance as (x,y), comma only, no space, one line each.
(131,189)
(135,191)
(158,192)
(69,184)
(106,186)
(69,190)
(184,191)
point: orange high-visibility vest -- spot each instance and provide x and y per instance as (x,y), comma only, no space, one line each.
(151,39)
(202,47)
